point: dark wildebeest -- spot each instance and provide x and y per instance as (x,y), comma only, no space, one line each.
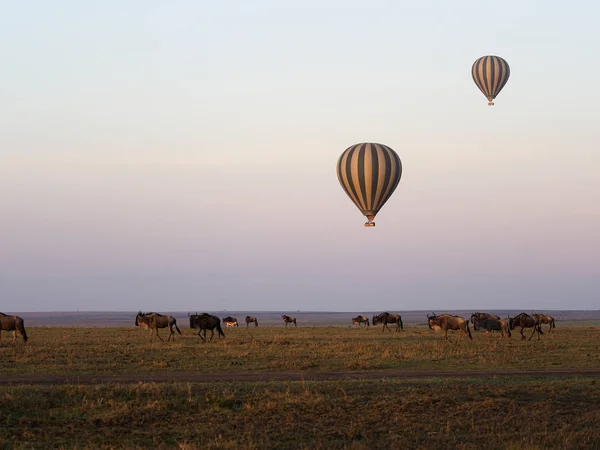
(525,321)
(480,315)
(14,324)
(358,320)
(250,320)
(230,321)
(489,324)
(153,321)
(289,319)
(386,318)
(205,322)
(447,322)
(544,319)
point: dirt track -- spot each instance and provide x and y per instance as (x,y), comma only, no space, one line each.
(167,377)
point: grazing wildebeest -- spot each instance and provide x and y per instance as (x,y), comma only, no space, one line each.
(14,324)
(289,319)
(250,320)
(205,322)
(386,318)
(489,324)
(447,322)
(230,321)
(153,321)
(358,320)
(541,318)
(525,321)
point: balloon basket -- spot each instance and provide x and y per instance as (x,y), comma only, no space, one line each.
(369,224)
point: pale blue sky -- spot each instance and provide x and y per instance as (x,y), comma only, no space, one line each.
(180,155)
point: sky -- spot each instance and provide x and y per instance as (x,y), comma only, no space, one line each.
(180,155)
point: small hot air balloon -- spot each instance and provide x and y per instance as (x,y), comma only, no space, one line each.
(490,74)
(369,174)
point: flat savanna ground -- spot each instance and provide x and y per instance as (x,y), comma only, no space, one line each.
(461,406)
(98,351)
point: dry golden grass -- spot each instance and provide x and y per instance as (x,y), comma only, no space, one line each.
(464,414)
(78,351)
(525,412)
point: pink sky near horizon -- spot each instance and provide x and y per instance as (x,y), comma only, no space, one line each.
(135,176)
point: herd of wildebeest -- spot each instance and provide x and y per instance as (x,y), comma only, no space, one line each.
(444,322)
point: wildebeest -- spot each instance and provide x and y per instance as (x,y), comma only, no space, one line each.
(541,318)
(386,318)
(358,320)
(250,320)
(525,321)
(204,322)
(489,324)
(289,319)
(230,321)
(447,322)
(153,321)
(480,315)
(14,324)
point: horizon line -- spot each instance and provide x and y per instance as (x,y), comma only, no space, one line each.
(302,311)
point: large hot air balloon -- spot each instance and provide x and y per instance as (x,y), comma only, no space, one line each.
(369,173)
(490,74)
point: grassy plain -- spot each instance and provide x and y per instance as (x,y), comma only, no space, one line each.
(521,412)
(464,414)
(78,351)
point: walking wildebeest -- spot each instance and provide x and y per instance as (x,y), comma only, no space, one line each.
(14,324)
(153,321)
(525,321)
(230,321)
(358,320)
(205,322)
(489,324)
(386,318)
(250,320)
(480,315)
(447,322)
(541,318)
(289,319)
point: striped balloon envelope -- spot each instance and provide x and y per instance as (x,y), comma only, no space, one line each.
(490,74)
(369,174)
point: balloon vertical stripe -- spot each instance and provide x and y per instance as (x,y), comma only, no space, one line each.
(346,171)
(490,74)
(373,167)
(369,174)
(360,163)
(396,173)
(355,176)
